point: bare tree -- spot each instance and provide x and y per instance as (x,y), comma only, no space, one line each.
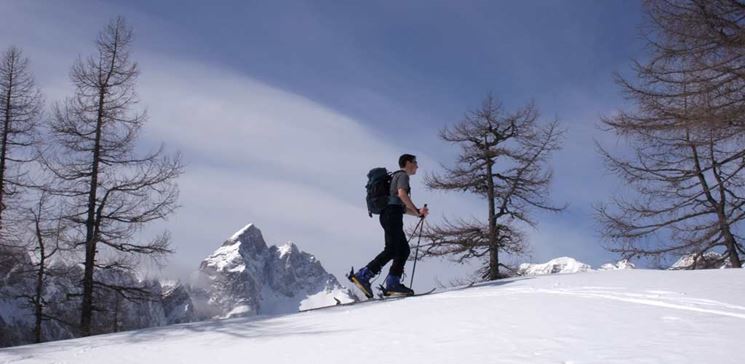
(20,106)
(703,43)
(46,230)
(111,191)
(503,159)
(689,183)
(686,133)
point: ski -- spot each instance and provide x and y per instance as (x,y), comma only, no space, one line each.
(382,293)
(380,298)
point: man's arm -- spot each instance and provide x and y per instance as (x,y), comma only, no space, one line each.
(410,208)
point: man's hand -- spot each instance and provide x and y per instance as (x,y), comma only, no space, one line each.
(423,212)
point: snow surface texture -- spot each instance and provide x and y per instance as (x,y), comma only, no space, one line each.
(620,316)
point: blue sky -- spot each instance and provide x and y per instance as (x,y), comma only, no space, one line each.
(281,107)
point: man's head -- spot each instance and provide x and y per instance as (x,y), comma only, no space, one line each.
(408,163)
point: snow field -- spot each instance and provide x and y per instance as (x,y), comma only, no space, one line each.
(625,316)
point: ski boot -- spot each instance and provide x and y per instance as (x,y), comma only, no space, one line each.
(394,287)
(361,279)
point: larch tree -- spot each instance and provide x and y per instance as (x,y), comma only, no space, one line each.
(111,192)
(20,109)
(44,244)
(685,133)
(503,159)
(703,43)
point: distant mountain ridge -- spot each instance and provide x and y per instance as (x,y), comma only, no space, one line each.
(242,277)
(567,265)
(708,260)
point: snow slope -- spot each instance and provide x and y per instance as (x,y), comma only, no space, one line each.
(621,316)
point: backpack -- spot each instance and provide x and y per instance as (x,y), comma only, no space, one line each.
(378,190)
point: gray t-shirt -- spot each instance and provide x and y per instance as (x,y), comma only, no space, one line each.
(400,179)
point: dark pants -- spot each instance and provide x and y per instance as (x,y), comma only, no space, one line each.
(396,246)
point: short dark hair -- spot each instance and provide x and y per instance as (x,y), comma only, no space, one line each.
(406,158)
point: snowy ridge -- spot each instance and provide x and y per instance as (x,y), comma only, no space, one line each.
(225,257)
(554,266)
(285,249)
(709,260)
(622,264)
(240,233)
(619,316)
(564,265)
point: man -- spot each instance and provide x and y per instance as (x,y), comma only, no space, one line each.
(396,246)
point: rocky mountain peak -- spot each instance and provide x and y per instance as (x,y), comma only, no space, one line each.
(249,238)
(245,277)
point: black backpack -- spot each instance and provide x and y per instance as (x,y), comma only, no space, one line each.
(378,190)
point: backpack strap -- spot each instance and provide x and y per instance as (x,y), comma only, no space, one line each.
(395,200)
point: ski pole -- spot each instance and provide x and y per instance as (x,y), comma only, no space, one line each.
(416,255)
(413,232)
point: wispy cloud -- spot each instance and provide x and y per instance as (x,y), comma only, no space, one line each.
(272,154)
(259,154)
(254,154)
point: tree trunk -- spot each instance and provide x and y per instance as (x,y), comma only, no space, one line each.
(724,227)
(729,242)
(493,246)
(90,237)
(90,223)
(4,151)
(724,223)
(39,306)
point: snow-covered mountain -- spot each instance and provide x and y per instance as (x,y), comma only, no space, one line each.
(553,266)
(609,317)
(709,260)
(18,282)
(242,277)
(567,265)
(178,305)
(621,264)
(246,277)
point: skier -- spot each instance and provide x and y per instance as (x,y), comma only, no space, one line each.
(396,246)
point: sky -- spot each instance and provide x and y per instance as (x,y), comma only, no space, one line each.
(281,107)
